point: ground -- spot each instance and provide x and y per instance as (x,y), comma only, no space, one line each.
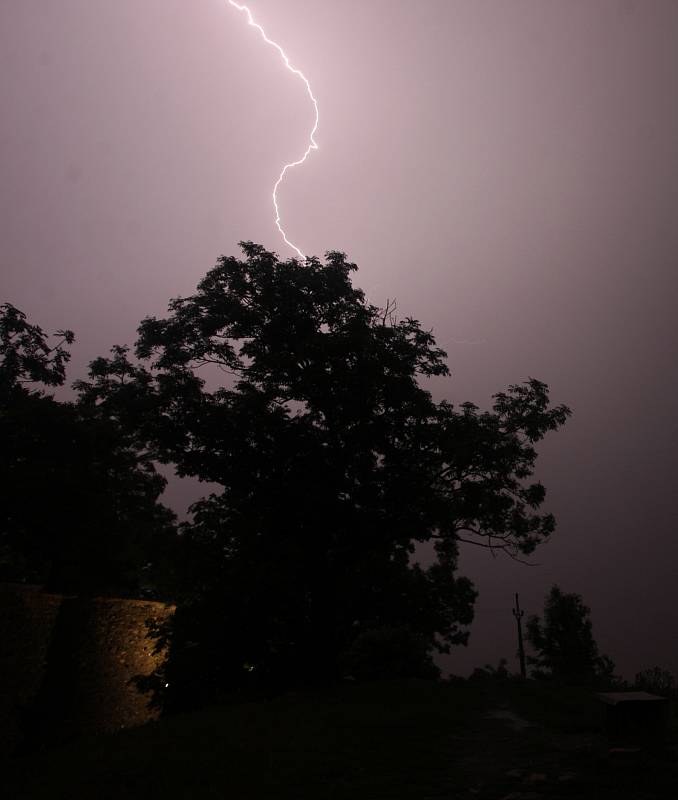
(384,741)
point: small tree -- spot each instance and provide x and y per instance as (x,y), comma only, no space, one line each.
(564,643)
(656,681)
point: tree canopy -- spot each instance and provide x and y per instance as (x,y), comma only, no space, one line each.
(307,406)
(564,644)
(80,510)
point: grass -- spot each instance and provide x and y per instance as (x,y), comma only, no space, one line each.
(389,740)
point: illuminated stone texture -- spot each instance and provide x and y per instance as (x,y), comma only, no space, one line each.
(68,663)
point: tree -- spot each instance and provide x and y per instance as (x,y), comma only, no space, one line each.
(80,510)
(305,404)
(656,681)
(564,643)
(389,652)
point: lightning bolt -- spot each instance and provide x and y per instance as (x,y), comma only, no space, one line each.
(313,145)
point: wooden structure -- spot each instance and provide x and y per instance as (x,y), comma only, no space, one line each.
(634,719)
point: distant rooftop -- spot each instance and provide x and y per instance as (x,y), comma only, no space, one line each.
(613,698)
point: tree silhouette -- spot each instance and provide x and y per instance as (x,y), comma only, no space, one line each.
(278,382)
(656,680)
(79,510)
(26,356)
(564,643)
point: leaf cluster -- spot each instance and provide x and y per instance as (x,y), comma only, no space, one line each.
(26,355)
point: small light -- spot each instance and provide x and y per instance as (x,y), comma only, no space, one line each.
(166,685)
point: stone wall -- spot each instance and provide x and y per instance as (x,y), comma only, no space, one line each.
(67,663)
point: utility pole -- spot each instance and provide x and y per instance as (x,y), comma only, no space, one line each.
(518,614)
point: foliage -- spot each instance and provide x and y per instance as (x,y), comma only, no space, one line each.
(564,644)
(25,354)
(389,652)
(656,681)
(491,673)
(305,405)
(80,510)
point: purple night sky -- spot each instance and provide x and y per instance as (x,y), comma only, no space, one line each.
(506,169)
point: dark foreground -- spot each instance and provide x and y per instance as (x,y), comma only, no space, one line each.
(389,740)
